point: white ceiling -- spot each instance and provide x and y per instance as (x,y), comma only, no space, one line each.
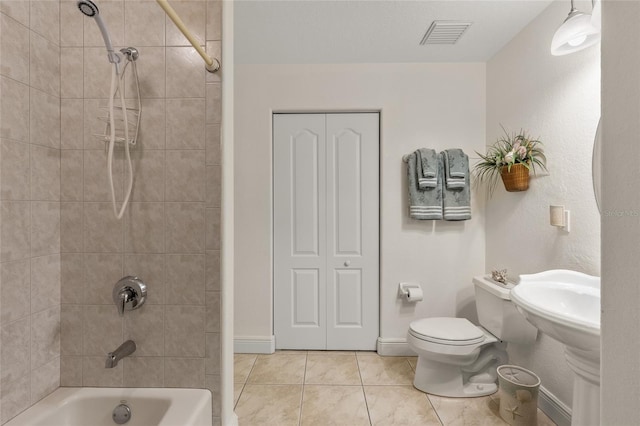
(357,31)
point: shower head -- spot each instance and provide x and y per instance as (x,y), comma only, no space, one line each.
(90,9)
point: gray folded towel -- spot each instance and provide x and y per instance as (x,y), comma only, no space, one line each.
(456,201)
(456,164)
(424,204)
(427,168)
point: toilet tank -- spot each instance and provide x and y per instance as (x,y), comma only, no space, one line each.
(498,314)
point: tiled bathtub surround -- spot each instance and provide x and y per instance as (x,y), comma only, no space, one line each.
(61,250)
(168,236)
(29,203)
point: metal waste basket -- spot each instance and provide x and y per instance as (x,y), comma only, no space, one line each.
(518,395)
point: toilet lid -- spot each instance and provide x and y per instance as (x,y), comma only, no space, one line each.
(448,331)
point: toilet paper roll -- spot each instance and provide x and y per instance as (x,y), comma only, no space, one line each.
(414,294)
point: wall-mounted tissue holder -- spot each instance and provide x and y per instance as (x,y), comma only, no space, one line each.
(411,292)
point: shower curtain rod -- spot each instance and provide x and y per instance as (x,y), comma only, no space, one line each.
(211,64)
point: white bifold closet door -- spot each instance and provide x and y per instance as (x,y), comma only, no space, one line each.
(326,244)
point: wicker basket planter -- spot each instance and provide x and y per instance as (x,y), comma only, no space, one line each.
(516,179)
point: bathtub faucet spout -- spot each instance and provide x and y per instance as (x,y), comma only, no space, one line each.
(124,350)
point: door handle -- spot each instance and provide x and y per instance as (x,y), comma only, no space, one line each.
(347,263)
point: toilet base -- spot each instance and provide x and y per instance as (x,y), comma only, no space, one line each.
(448,380)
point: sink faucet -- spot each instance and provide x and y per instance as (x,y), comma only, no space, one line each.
(124,350)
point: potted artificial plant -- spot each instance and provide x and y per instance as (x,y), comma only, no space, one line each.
(511,157)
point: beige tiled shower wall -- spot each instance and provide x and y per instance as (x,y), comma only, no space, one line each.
(29,203)
(169,235)
(62,250)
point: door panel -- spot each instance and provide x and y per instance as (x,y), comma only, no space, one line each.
(347,159)
(348,298)
(352,230)
(299,227)
(304,160)
(305,288)
(326,215)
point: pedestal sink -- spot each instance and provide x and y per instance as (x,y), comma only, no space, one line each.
(565,305)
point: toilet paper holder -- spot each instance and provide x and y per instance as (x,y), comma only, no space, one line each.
(411,292)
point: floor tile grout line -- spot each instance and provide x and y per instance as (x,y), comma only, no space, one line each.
(246,380)
(301,404)
(411,365)
(304,378)
(364,394)
(244,384)
(359,372)
(366,404)
(253,366)
(434,408)
(235,404)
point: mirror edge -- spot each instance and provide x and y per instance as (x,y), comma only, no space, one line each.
(596,166)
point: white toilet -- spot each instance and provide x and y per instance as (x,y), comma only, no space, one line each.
(459,359)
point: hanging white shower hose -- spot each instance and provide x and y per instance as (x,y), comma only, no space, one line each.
(116,86)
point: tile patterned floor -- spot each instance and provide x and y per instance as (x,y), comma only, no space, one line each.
(315,388)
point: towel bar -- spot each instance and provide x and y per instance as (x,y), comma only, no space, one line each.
(405,157)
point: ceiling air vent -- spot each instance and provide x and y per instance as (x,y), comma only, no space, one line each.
(445,32)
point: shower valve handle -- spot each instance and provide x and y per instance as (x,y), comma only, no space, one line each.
(129,293)
(125,295)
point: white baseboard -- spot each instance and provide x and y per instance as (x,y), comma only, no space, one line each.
(254,344)
(555,409)
(394,347)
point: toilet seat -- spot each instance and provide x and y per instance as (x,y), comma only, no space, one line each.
(447,331)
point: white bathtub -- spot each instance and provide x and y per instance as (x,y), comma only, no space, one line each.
(94,406)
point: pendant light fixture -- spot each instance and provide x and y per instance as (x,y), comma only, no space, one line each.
(577,32)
